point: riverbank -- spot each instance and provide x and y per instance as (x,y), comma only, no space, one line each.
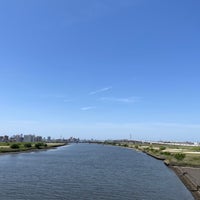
(190,178)
(32,147)
(183,160)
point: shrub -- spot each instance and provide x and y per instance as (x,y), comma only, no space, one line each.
(162,148)
(39,145)
(146,149)
(125,145)
(155,151)
(196,148)
(27,145)
(14,146)
(179,156)
(166,153)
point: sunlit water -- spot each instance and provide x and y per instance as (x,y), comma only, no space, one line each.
(88,171)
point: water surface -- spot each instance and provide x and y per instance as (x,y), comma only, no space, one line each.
(88,171)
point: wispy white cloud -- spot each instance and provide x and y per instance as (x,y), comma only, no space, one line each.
(88,108)
(100,90)
(121,100)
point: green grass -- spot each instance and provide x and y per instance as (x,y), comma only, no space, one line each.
(173,154)
(176,158)
(23,146)
(4,143)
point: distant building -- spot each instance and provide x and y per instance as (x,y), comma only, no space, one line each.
(48,139)
(73,140)
(38,139)
(17,138)
(1,138)
(5,138)
(196,144)
(29,138)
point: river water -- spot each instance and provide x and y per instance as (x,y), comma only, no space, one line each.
(88,172)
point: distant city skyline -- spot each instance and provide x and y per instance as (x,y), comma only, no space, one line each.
(100,69)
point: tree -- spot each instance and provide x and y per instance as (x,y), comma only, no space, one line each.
(14,146)
(162,148)
(179,156)
(27,145)
(39,145)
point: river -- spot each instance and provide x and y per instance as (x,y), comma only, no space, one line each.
(88,172)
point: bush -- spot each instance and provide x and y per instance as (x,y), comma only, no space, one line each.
(146,149)
(27,145)
(39,145)
(155,150)
(162,148)
(179,156)
(14,146)
(166,153)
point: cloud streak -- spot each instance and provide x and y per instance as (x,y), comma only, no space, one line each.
(100,90)
(121,100)
(88,108)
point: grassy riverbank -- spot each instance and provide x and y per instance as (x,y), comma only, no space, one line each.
(12,147)
(173,155)
(177,155)
(183,160)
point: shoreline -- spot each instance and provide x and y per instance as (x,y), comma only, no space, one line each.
(187,179)
(188,175)
(17,151)
(184,175)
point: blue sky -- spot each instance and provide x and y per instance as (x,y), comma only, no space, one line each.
(100,69)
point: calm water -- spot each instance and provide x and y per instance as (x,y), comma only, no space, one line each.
(84,171)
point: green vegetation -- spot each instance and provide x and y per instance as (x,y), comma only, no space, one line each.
(125,145)
(162,148)
(172,154)
(196,148)
(166,153)
(28,145)
(40,145)
(4,144)
(179,156)
(25,146)
(136,146)
(14,146)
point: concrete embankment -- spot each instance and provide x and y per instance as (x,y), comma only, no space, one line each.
(154,156)
(190,177)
